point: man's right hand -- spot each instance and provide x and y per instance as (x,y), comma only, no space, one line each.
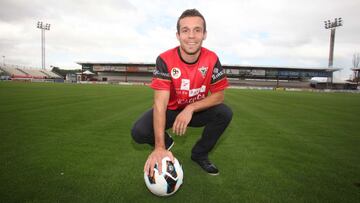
(156,156)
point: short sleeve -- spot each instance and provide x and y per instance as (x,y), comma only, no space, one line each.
(218,79)
(161,78)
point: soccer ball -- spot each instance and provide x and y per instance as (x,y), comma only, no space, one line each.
(169,181)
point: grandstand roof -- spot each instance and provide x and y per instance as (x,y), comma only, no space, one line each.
(87,72)
(115,63)
(281,68)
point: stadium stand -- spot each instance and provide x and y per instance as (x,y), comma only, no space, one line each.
(50,74)
(15,72)
(37,74)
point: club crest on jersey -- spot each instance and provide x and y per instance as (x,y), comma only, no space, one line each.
(203,70)
(175,73)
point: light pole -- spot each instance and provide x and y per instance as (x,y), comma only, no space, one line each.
(3,60)
(332,25)
(43,27)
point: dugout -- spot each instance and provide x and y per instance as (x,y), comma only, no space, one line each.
(241,75)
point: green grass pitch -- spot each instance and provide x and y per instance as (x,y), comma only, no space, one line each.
(72,143)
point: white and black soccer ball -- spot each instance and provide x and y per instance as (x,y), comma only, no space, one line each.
(169,181)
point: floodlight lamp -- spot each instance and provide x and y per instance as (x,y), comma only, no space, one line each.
(39,24)
(340,22)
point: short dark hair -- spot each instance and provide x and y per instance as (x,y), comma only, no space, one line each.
(190,13)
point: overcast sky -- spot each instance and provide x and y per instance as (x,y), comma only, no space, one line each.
(244,32)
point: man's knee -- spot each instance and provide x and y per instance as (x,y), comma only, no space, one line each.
(138,134)
(142,130)
(225,113)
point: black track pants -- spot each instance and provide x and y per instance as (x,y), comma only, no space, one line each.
(215,119)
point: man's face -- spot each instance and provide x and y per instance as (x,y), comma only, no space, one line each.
(191,34)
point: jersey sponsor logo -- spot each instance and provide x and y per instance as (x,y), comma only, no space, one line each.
(191,100)
(185,84)
(175,73)
(216,75)
(203,71)
(194,92)
(203,88)
(159,74)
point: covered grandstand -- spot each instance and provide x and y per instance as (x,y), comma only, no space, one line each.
(14,72)
(239,75)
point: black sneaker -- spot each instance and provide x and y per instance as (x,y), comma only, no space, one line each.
(207,166)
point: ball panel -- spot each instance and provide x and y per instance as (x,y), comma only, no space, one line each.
(169,181)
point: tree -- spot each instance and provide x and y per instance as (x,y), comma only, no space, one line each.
(63,72)
(356,60)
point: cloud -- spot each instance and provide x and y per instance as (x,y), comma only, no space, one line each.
(254,32)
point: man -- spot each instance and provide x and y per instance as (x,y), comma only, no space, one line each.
(181,81)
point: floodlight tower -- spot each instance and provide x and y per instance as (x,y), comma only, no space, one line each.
(43,27)
(3,60)
(332,25)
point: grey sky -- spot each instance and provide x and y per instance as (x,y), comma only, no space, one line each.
(252,32)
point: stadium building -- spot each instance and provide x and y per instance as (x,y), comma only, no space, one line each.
(240,75)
